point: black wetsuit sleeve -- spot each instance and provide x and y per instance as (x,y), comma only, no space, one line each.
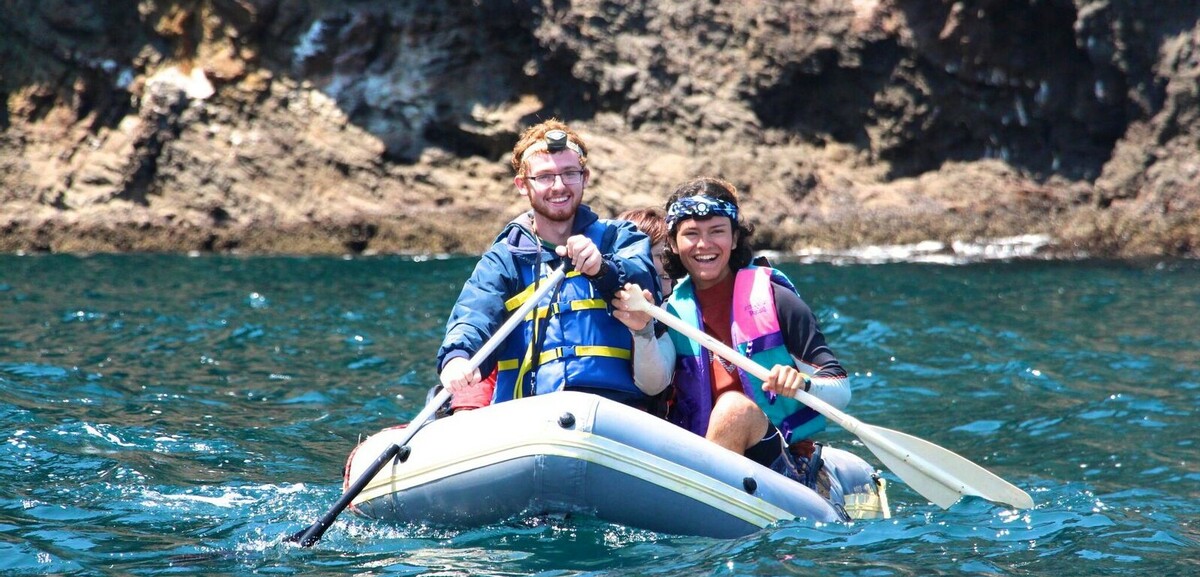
(802,335)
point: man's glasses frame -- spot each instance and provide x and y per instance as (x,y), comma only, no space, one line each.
(569,177)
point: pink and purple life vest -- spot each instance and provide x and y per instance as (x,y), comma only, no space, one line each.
(756,333)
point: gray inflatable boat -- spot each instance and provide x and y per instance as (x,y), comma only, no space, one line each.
(575,453)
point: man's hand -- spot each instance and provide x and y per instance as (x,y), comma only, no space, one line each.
(455,376)
(584,255)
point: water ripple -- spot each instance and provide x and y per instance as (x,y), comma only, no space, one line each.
(169,415)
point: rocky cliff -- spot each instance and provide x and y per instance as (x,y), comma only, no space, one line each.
(323,126)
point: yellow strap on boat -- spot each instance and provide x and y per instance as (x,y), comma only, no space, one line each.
(518,299)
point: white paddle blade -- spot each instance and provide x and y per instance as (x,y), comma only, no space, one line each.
(939,474)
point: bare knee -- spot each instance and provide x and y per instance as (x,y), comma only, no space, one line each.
(736,423)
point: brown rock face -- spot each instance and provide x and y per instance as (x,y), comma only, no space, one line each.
(322,126)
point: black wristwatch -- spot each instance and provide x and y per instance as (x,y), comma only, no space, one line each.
(600,273)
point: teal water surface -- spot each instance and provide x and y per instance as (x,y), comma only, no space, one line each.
(155,407)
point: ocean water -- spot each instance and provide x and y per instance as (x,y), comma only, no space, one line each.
(166,415)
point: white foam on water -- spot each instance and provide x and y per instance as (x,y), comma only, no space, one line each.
(934,252)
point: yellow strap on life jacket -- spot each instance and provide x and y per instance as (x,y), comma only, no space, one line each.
(554,354)
(518,299)
(572,306)
(561,352)
(526,363)
(585,351)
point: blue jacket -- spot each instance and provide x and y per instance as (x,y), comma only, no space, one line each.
(480,308)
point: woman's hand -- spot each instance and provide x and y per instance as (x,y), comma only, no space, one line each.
(636,320)
(785,380)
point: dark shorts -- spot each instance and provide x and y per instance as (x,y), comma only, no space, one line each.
(807,469)
(768,450)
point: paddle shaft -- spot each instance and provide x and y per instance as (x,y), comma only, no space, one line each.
(941,487)
(847,422)
(310,535)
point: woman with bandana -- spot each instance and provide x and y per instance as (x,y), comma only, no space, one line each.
(754,309)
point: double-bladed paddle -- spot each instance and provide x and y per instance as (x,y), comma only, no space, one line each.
(312,534)
(940,475)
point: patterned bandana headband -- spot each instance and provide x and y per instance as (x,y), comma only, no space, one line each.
(699,207)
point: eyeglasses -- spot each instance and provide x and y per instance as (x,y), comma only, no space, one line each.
(547,180)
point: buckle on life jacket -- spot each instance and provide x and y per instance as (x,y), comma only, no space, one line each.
(558,307)
(526,365)
(569,351)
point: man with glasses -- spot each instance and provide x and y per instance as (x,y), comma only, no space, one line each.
(572,341)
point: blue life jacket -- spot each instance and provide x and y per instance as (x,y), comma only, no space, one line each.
(570,341)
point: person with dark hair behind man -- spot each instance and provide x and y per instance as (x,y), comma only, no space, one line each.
(651,222)
(652,362)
